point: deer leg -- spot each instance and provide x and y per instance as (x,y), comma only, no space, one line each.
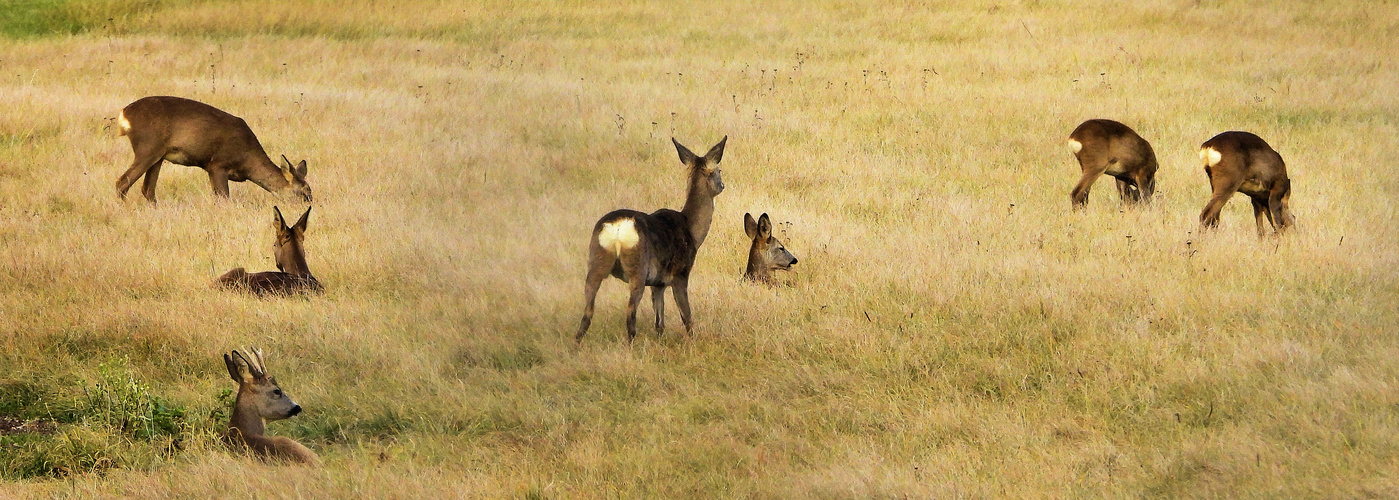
(1079,196)
(145,160)
(1209,217)
(638,288)
(148,184)
(682,301)
(598,269)
(218,179)
(658,305)
(1260,212)
(1277,205)
(1128,191)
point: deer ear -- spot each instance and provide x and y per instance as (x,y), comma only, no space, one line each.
(242,372)
(750,226)
(234,371)
(277,219)
(716,153)
(764,226)
(300,226)
(300,169)
(686,156)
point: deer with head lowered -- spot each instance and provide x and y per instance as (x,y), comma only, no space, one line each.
(260,400)
(1109,147)
(191,133)
(657,249)
(294,276)
(1242,162)
(767,253)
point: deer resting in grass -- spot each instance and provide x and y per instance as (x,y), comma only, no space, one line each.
(766,254)
(294,276)
(260,400)
(195,134)
(1242,162)
(657,249)
(1109,147)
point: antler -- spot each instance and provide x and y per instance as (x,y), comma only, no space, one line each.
(254,361)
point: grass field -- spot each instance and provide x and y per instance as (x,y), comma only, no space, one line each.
(953,329)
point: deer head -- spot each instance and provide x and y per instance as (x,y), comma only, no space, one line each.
(291,257)
(296,177)
(259,396)
(767,253)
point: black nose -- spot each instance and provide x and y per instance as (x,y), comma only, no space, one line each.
(794,260)
(294,410)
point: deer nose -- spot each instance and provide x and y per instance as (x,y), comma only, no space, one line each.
(794,260)
(294,411)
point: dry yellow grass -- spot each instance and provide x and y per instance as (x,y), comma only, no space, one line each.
(953,329)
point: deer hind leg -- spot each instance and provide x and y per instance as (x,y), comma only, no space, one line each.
(598,269)
(682,302)
(146,160)
(638,288)
(1092,168)
(658,305)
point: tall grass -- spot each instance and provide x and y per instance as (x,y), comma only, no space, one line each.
(953,329)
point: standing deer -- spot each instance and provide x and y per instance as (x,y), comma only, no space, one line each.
(1243,162)
(294,275)
(195,134)
(656,250)
(260,400)
(1109,147)
(767,253)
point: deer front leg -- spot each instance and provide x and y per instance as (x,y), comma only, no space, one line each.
(218,179)
(658,305)
(1260,212)
(682,301)
(1128,192)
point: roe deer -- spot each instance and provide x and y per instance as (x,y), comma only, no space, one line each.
(260,400)
(195,134)
(1109,147)
(767,252)
(655,250)
(1243,162)
(291,260)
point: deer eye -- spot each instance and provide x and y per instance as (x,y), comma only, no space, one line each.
(277,392)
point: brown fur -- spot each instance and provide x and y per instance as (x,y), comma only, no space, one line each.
(1248,165)
(767,253)
(665,251)
(1115,149)
(294,276)
(195,134)
(259,400)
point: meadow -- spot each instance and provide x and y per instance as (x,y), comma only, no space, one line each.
(953,328)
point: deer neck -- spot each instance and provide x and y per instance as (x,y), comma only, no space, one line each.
(265,173)
(292,260)
(246,421)
(756,271)
(699,209)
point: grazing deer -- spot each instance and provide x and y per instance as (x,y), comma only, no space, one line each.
(655,250)
(293,277)
(1109,147)
(260,400)
(1243,162)
(195,134)
(767,252)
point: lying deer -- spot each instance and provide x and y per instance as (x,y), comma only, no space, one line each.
(1109,147)
(294,275)
(260,400)
(767,253)
(1243,162)
(195,134)
(656,250)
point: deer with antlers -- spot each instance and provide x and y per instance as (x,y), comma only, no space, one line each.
(259,401)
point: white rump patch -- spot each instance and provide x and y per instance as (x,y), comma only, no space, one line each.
(1075,145)
(123,122)
(1209,156)
(618,235)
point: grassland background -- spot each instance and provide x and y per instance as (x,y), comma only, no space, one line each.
(952,329)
